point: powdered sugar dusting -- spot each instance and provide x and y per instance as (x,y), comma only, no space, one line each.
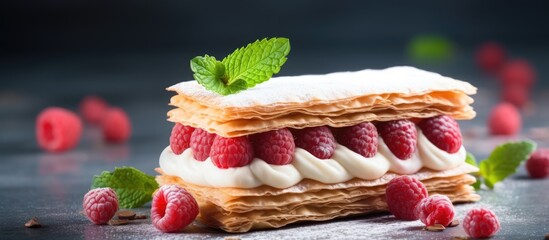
(340,85)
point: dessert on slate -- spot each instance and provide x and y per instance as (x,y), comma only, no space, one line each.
(316,147)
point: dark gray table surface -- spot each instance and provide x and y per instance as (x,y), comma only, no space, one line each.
(51,186)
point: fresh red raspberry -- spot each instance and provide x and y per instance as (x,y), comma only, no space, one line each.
(274,147)
(436,209)
(443,131)
(231,152)
(92,109)
(481,223)
(100,205)
(180,139)
(504,119)
(518,72)
(400,136)
(319,141)
(116,125)
(360,138)
(173,208)
(402,195)
(201,144)
(490,56)
(538,164)
(517,95)
(58,129)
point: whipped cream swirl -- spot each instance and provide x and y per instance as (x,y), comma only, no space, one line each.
(343,166)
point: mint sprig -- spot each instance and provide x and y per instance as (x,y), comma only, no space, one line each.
(502,162)
(133,187)
(242,69)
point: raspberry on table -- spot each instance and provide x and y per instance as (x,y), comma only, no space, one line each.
(481,223)
(274,147)
(116,125)
(400,136)
(231,152)
(436,209)
(518,72)
(201,144)
(319,141)
(443,131)
(360,138)
(403,194)
(180,139)
(92,109)
(173,208)
(504,119)
(100,205)
(58,129)
(516,94)
(538,163)
(490,56)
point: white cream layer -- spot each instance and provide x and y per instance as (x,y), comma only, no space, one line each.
(343,166)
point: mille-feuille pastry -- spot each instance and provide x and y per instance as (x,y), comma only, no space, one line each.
(316,147)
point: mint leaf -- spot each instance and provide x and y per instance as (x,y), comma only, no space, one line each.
(133,187)
(210,73)
(257,62)
(471,159)
(504,161)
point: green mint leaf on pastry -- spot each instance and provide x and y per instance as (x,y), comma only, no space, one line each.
(133,187)
(242,69)
(470,159)
(504,161)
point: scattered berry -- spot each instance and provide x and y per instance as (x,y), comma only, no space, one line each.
(504,120)
(201,144)
(360,138)
(92,109)
(231,152)
(58,129)
(436,209)
(173,208)
(481,223)
(518,72)
(319,141)
(274,147)
(100,205)
(400,136)
(490,57)
(517,95)
(180,139)
(443,131)
(538,164)
(116,126)
(402,195)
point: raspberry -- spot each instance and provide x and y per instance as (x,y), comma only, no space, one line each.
(231,152)
(319,141)
(201,143)
(538,164)
(490,56)
(274,147)
(92,109)
(360,138)
(504,120)
(57,129)
(180,139)
(116,126)
(402,195)
(173,208)
(436,209)
(518,72)
(400,136)
(443,132)
(480,223)
(100,205)
(517,95)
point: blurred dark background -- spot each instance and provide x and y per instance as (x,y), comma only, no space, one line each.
(56,52)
